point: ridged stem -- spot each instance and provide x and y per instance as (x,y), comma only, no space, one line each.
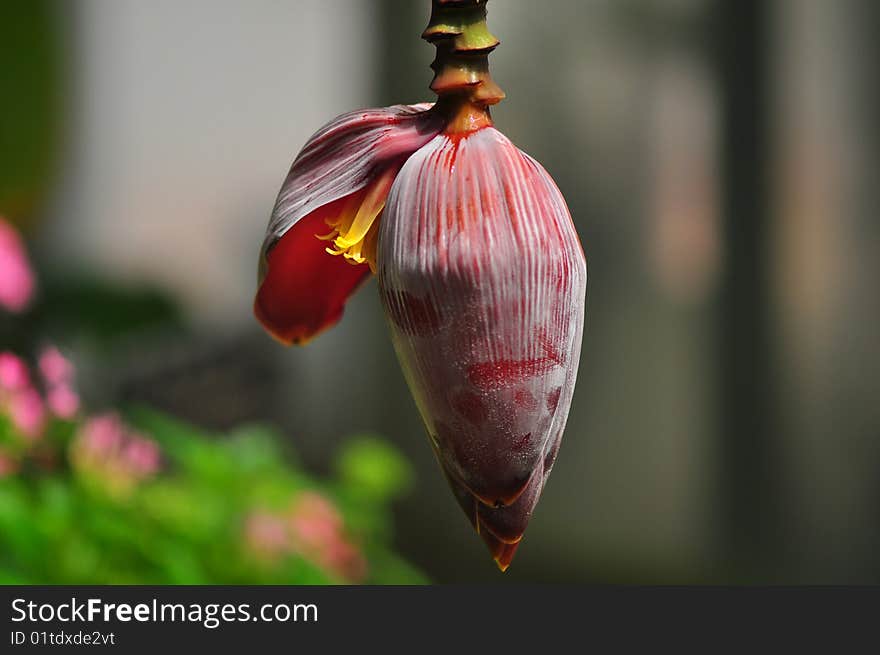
(462,82)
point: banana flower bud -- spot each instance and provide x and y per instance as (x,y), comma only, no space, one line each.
(480,271)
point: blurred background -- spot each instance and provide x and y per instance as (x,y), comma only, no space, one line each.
(720,160)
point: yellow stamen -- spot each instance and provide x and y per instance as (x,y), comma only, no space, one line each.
(355,229)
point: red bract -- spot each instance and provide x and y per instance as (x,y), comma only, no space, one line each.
(335,188)
(480,271)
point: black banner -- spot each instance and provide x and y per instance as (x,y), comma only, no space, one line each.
(504,618)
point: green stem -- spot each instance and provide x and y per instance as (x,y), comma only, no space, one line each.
(462,82)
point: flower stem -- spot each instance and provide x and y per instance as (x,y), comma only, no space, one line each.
(462,82)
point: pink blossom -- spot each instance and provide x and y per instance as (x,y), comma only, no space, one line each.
(344,559)
(141,456)
(102,435)
(312,529)
(267,535)
(13,372)
(16,278)
(27,412)
(314,520)
(108,449)
(63,401)
(318,532)
(55,367)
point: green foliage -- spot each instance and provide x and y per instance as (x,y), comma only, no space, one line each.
(189,523)
(373,469)
(29,117)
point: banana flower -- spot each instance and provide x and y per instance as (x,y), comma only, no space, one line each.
(480,272)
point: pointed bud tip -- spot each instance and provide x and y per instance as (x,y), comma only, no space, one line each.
(504,557)
(502,551)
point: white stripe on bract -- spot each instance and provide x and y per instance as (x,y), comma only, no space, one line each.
(341,158)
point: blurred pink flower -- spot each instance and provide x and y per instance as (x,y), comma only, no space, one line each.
(314,520)
(101,435)
(108,449)
(313,529)
(27,412)
(345,559)
(267,535)
(63,401)
(318,532)
(141,456)
(57,373)
(13,372)
(16,278)
(55,367)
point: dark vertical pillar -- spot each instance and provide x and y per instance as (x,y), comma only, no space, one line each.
(750,460)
